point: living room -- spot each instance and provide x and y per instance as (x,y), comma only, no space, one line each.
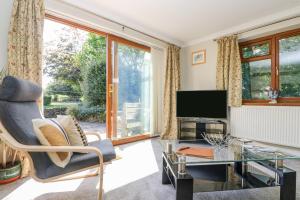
(165,99)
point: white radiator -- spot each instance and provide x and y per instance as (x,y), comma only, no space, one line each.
(271,124)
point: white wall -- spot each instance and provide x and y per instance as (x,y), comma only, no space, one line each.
(5,13)
(203,77)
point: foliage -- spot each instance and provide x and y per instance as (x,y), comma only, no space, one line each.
(257,74)
(256,50)
(59,58)
(94,85)
(92,62)
(131,63)
(78,72)
(8,159)
(82,112)
(77,66)
(52,112)
(63,88)
(47,100)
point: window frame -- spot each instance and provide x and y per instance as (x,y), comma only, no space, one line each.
(273,55)
(109,39)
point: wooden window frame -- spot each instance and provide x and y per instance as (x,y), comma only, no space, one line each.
(273,41)
(109,39)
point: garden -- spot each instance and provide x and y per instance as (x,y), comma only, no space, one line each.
(75,68)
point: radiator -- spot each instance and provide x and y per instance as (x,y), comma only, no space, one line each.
(271,124)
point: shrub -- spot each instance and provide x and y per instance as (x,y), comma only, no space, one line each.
(53,112)
(55,98)
(47,100)
(63,98)
(94,84)
(85,113)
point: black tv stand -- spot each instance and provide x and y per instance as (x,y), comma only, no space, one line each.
(192,129)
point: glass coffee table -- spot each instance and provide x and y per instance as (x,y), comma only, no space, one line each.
(238,166)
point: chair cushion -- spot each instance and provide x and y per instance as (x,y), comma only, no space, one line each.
(16,118)
(73,130)
(19,90)
(79,161)
(50,134)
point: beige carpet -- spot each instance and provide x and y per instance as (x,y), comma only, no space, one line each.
(137,176)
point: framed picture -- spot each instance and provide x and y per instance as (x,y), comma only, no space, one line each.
(199,57)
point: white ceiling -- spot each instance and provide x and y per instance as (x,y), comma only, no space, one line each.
(188,21)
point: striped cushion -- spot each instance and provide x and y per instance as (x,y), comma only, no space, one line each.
(73,130)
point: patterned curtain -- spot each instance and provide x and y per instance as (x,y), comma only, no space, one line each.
(25,40)
(229,73)
(172,84)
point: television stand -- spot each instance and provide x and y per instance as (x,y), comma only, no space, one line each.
(192,129)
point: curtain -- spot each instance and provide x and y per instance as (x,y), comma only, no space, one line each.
(229,73)
(158,60)
(25,39)
(172,84)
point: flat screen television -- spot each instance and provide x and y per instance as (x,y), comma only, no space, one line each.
(202,104)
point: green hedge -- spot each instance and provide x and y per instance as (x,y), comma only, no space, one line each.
(85,113)
(47,100)
(54,111)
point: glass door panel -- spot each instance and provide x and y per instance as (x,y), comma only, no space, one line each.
(289,66)
(130,91)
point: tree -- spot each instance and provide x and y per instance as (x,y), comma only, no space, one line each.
(131,73)
(62,88)
(92,63)
(94,85)
(60,58)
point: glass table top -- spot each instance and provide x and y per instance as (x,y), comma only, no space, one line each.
(237,151)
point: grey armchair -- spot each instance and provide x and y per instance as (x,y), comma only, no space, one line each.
(17,108)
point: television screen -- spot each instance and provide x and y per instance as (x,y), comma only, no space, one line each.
(202,104)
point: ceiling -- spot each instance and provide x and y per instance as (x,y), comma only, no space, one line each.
(185,22)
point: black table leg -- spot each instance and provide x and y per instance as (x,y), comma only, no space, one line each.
(288,186)
(184,189)
(165,178)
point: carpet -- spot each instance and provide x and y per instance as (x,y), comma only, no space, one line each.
(137,176)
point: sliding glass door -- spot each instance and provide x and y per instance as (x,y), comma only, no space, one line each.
(129,90)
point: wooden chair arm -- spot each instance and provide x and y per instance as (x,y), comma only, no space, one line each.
(7,138)
(94,133)
(10,141)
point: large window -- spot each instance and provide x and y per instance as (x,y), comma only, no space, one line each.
(272,61)
(105,81)
(74,77)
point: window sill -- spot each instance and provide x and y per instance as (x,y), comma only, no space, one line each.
(271,104)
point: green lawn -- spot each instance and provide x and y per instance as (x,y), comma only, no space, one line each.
(61,104)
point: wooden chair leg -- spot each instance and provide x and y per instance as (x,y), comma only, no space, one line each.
(100,192)
(77,177)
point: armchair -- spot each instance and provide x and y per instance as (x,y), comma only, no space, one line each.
(17,108)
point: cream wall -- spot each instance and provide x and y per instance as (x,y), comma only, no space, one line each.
(5,12)
(201,76)
(243,120)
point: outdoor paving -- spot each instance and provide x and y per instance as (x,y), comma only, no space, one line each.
(94,126)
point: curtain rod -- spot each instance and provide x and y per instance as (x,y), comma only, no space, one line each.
(115,22)
(262,26)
